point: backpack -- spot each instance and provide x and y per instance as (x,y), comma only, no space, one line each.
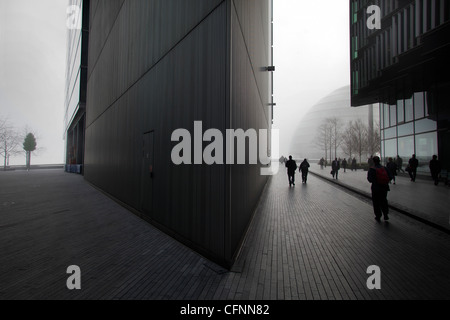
(382,176)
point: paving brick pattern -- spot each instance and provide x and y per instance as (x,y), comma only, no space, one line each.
(313,241)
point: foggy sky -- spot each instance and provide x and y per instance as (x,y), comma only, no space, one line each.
(311,43)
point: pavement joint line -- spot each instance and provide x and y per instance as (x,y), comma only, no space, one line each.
(392,205)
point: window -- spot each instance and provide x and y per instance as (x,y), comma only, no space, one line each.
(393,115)
(425,125)
(426,147)
(406,147)
(409,111)
(406,129)
(400,111)
(390,148)
(419,105)
(390,133)
(386,116)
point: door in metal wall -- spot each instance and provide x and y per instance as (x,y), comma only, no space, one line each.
(147,174)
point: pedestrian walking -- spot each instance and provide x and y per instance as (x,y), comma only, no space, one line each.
(400,164)
(304,169)
(379,177)
(413,165)
(344,164)
(291,166)
(392,167)
(435,169)
(354,164)
(322,163)
(335,167)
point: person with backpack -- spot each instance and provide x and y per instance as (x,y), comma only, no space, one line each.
(392,166)
(380,177)
(304,169)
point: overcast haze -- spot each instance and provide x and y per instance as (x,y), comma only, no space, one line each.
(311,40)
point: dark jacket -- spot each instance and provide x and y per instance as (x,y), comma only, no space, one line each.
(435,166)
(392,166)
(335,165)
(291,166)
(304,166)
(413,163)
(372,178)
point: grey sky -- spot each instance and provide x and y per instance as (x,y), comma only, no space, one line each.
(32,71)
(311,56)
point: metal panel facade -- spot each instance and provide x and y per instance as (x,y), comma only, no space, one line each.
(158,66)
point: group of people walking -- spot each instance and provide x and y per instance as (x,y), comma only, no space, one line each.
(378,175)
(291,166)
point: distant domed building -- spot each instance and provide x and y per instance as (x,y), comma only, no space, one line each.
(336,104)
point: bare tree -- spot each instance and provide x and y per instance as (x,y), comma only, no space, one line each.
(323,138)
(349,140)
(374,144)
(361,134)
(9,141)
(335,125)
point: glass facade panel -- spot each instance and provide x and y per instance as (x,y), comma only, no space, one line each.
(393,115)
(409,110)
(406,129)
(425,125)
(386,115)
(390,148)
(426,147)
(406,147)
(400,111)
(419,105)
(390,133)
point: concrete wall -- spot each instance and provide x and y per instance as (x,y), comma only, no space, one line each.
(157,66)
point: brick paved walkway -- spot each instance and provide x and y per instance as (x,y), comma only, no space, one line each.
(313,241)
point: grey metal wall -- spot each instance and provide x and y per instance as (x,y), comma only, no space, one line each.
(251,95)
(157,66)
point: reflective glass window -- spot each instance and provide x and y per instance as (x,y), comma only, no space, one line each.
(409,111)
(406,147)
(400,111)
(393,115)
(425,125)
(406,129)
(390,133)
(390,148)
(426,147)
(419,105)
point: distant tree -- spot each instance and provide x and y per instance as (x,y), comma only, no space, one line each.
(374,144)
(349,140)
(335,125)
(360,132)
(323,138)
(29,145)
(9,141)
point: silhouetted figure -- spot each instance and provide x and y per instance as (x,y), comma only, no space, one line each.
(304,169)
(379,176)
(435,169)
(322,163)
(400,164)
(344,164)
(370,162)
(413,165)
(335,167)
(354,164)
(392,167)
(291,166)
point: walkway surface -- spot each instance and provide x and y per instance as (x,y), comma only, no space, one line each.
(312,241)
(420,199)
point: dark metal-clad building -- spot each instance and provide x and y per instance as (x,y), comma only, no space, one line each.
(403,66)
(158,66)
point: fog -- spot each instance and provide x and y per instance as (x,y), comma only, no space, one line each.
(311,46)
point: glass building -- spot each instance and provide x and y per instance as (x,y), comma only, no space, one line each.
(76,84)
(403,67)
